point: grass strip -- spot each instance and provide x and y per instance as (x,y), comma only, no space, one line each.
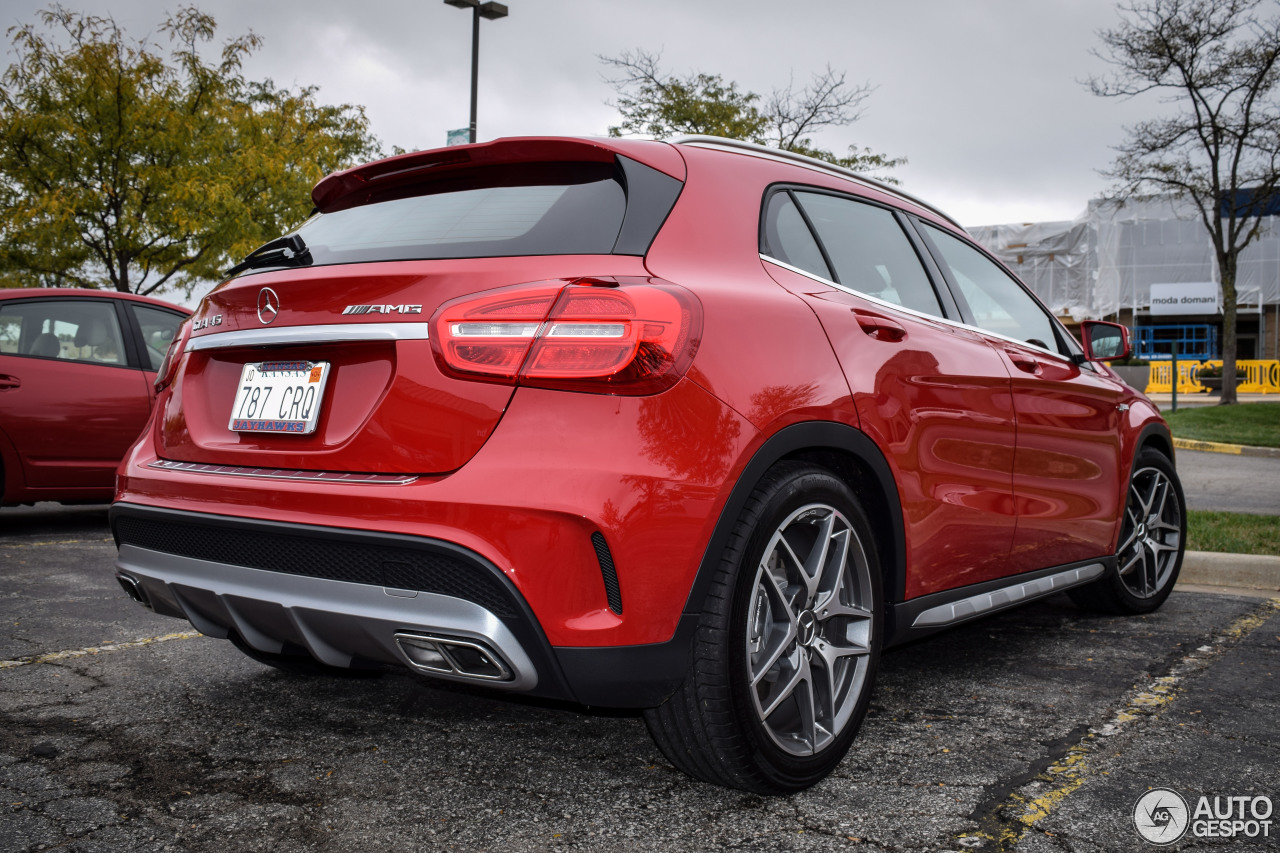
(1233,533)
(1254,424)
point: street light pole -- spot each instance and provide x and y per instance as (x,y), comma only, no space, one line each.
(492,11)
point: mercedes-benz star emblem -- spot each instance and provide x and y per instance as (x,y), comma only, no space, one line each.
(268,305)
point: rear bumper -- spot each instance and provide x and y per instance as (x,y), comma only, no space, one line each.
(354,598)
(342,596)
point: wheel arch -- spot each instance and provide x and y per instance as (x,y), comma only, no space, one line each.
(849,454)
(1157,437)
(645,676)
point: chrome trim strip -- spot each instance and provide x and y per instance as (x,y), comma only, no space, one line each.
(285,473)
(310,335)
(999,599)
(913,312)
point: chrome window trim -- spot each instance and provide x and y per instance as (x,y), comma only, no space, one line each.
(905,310)
(310,334)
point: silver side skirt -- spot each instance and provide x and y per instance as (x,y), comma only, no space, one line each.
(999,599)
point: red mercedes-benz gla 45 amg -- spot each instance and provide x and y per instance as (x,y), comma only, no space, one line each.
(696,427)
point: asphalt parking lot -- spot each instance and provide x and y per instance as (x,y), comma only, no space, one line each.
(1033,730)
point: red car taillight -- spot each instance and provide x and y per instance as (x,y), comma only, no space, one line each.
(611,336)
(173,355)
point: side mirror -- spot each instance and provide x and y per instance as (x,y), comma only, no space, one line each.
(1104,341)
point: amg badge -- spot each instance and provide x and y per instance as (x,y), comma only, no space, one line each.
(382,309)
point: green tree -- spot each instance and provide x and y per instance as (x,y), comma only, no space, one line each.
(122,167)
(1219,62)
(656,103)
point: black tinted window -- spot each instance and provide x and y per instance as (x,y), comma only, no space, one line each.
(870,252)
(998,303)
(158,328)
(69,329)
(582,216)
(787,237)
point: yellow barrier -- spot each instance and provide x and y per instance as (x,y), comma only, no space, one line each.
(1253,376)
(1160,379)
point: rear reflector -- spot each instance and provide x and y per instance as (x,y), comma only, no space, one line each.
(612,336)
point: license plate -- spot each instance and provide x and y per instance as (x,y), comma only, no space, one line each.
(279,396)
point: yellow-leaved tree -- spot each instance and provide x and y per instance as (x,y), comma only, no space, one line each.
(124,167)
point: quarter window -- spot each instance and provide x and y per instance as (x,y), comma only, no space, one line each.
(788,239)
(998,303)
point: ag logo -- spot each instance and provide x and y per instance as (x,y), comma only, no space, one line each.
(1161,816)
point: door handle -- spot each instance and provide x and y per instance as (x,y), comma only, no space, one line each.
(7,382)
(880,328)
(1024,362)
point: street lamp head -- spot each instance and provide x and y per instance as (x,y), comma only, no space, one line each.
(462,4)
(492,11)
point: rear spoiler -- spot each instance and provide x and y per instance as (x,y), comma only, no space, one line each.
(352,186)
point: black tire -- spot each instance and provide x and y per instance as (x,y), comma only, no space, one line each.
(301,663)
(784,658)
(1153,537)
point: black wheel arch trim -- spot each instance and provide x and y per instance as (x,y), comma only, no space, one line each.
(1155,434)
(644,676)
(796,441)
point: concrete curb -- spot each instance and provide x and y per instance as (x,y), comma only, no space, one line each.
(1219,447)
(1250,571)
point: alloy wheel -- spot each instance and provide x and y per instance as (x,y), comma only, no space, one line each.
(1151,536)
(809,629)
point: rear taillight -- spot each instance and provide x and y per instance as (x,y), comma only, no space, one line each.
(173,355)
(611,336)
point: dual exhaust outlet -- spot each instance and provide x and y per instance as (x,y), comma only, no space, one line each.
(462,658)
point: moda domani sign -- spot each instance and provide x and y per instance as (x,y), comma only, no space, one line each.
(1196,297)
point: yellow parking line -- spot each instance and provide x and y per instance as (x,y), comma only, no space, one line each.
(94,650)
(1069,773)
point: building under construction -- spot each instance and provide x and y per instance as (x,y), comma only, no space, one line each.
(1150,265)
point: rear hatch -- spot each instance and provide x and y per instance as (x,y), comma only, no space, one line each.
(320,355)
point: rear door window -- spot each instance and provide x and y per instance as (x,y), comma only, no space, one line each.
(67,329)
(865,249)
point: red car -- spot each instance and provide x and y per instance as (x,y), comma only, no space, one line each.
(76,385)
(698,428)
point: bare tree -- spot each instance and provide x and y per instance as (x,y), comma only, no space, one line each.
(828,101)
(1219,62)
(654,102)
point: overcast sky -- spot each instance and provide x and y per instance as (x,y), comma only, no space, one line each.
(983,97)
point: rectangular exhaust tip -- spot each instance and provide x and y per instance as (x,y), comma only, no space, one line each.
(134,589)
(454,656)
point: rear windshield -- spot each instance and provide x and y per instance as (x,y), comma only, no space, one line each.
(578,211)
